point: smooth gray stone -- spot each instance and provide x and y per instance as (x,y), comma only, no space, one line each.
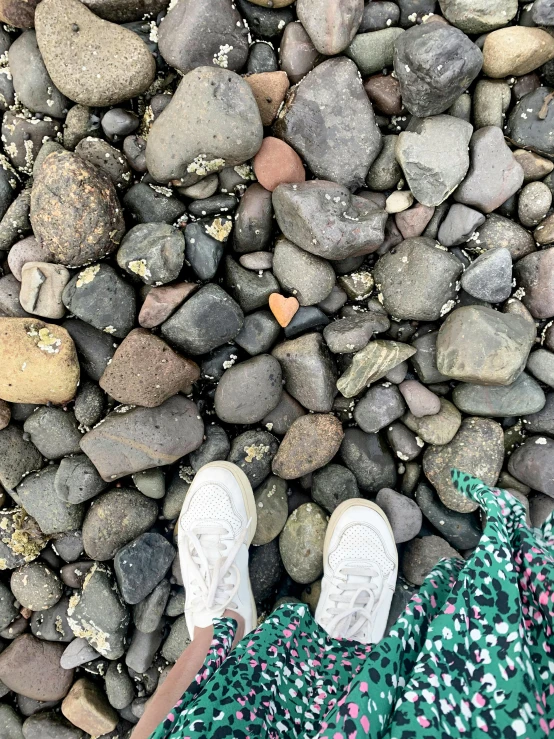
(459,225)
(311,122)
(154,252)
(494,174)
(489,277)
(259,332)
(205,321)
(148,613)
(380,406)
(533,464)
(78,652)
(120,689)
(402,512)
(543,421)
(541,365)
(480,345)
(141,565)
(31,81)
(215,447)
(476,16)
(18,457)
(417,280)
(177,641)
(332,24)
(197,33)
(308,277)
(37,494)
(368,457)
(309,370)
(249,391)
(528,130)
(142,649)
(226,129)
(250,290)
(373,51)
(54,432)
(522,397)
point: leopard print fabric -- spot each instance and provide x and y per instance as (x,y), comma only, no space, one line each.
(471,656)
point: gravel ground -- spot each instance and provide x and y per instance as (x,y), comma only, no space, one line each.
(313,238)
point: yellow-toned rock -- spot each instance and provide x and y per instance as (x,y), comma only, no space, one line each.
(38,362)
(516,50)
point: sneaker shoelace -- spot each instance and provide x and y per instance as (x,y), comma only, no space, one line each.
(215,577)
(355,600)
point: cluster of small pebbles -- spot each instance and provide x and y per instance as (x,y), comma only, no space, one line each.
(313,238)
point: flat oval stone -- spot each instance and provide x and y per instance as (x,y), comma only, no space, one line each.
(272,509)
(47,681)
(31,81)
(310,443)
(522,397)
(308,122)
(75,213)
(225,131)
(402,512)
(532,464)
(68,33)
(132,439)
(301,543)
(249,391)
(47,355)
(308,277)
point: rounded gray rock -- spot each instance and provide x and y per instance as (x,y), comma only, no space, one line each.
(249,391)
(36,587)
(154,252)
(199,33)
(226,129)
(308,277)
(402,512)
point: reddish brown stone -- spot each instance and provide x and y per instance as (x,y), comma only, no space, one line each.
(87,707)
(412,222)
(277,163)
(384,93)
(160,302)
(535,275)
(31,667)
(269,90)
(146,371)
(18,13)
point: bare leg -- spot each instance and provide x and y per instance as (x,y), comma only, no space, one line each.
(180,677)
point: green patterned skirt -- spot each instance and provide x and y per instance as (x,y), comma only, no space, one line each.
(471,656)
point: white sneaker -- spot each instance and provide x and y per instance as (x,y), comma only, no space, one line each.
(216,526)
(360,564)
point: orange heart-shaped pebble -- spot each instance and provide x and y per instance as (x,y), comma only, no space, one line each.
(283,308)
